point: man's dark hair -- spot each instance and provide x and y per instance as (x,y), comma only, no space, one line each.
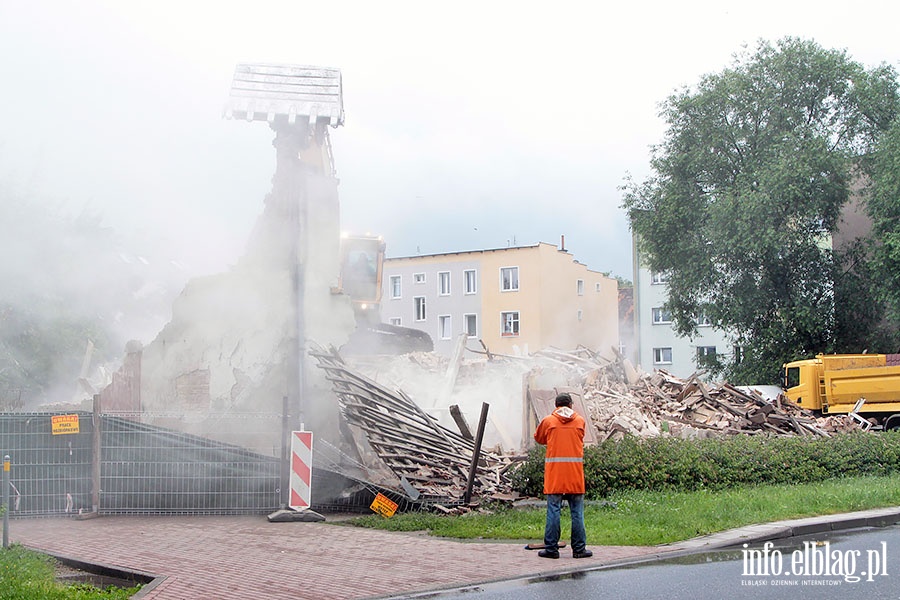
(563,399)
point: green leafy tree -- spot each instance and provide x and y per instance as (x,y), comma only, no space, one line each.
(66,280)
(747,188)
(52,302)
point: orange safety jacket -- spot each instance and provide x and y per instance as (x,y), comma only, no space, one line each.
(563,433)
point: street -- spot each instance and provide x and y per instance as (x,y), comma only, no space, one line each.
(852,564)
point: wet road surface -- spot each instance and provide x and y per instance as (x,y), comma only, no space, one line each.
(856,564)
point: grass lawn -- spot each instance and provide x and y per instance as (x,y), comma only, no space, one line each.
(26,575)
(650,518)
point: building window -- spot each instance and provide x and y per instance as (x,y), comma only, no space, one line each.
(419,278)
(706,354)
(662,356)
(658,278)
(471,286)
(509,323)
(509,279)
(420,308)
(703,320)
(395,321)
(579,287)
(597,286)
(661,315)
(471,325)
(444,283)
(444,327)
(395,286)
(580,315)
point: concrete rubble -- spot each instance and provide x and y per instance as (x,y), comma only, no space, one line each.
(622,402)
(400,438)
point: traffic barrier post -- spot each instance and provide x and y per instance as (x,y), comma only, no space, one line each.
(6,501)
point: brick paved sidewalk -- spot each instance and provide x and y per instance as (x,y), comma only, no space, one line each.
(247,557)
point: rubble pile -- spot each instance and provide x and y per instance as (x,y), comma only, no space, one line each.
(403,448)
(429,463)
(622,402)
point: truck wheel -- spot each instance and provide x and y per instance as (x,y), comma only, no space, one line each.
(892,423)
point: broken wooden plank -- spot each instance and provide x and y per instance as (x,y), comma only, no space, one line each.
(460,421)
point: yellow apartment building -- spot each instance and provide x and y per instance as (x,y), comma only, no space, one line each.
(515,300)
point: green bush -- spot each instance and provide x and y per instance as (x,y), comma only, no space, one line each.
(664,463)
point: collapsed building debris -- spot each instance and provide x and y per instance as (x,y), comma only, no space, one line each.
(403,448)
(430,464)
(621,402)
(661,404)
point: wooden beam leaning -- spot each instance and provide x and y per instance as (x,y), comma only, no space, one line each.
(407,440)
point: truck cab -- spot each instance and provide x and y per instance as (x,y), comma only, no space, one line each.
(803,383)
(854,384)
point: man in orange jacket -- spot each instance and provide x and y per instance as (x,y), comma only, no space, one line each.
(562,432)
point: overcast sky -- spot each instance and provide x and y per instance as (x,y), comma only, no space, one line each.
(468,124)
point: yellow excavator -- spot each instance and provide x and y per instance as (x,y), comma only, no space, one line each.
(300,103)
(362,264)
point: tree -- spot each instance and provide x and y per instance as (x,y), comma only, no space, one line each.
(64,281)
(746,190)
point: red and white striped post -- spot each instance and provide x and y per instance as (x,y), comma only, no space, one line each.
(301,470)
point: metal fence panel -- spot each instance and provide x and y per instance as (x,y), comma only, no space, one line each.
(50,474)
(149,469)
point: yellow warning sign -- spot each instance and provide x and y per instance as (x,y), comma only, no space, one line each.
(384,506)
(61,424)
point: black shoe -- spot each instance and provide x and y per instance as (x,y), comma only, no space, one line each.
(583,554)
(549,553)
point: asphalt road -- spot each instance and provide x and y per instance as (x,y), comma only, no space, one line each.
(854,564)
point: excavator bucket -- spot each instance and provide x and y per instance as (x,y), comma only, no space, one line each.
(263,92)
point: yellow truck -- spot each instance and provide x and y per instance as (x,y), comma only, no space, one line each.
(865,386)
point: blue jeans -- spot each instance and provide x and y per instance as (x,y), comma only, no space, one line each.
(551,529)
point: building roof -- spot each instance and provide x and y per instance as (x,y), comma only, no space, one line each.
(505,249)
(486,250)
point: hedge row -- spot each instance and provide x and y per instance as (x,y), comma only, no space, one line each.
(674,464)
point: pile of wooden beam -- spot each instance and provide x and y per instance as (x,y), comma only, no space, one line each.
(405,449)
(621,401)
(661,404)
(430,463)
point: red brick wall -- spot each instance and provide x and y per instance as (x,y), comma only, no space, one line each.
(123,394)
